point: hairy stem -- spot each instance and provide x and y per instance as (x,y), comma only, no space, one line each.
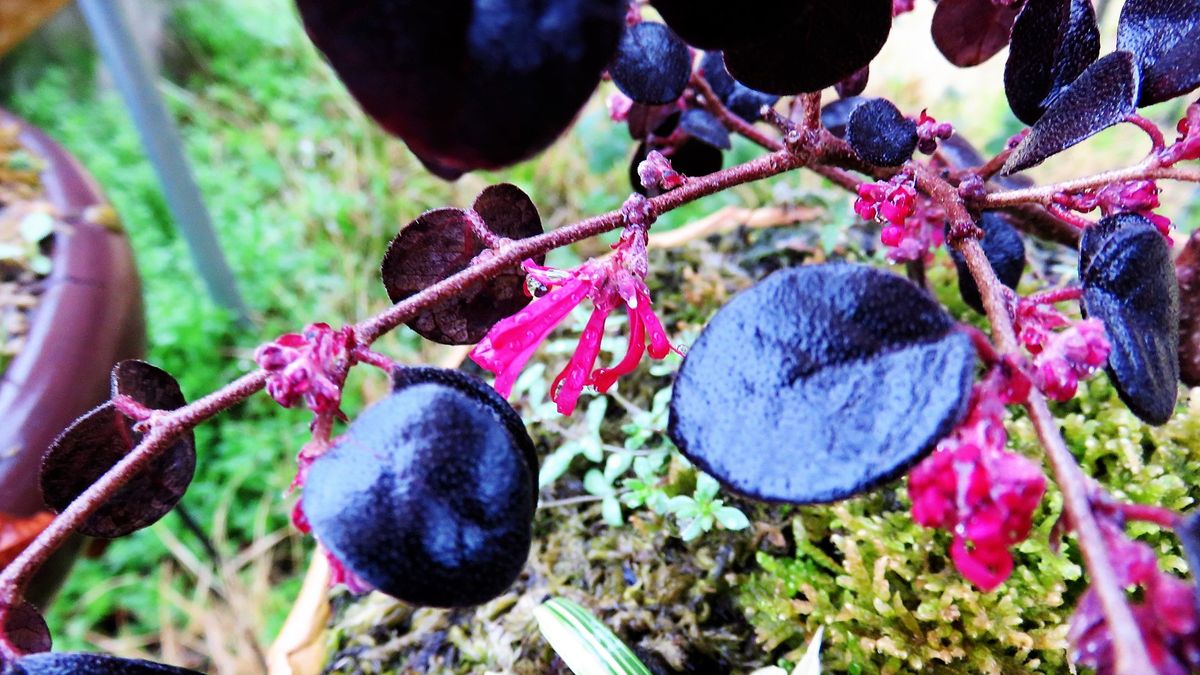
(168,425)
(1132,657)
(15,577)
(1044,195)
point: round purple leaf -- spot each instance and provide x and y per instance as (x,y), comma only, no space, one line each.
(441,243)
(819,383)
(96,442)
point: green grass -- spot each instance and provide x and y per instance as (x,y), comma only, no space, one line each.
(305,194)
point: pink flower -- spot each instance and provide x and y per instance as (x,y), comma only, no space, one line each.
(311,366)
(930,131)
(1035,323)
(656,173)
(609,282)
(1187,146)
(1166,615)
(1069,356)
(974,488)
(1135,196)
(914,224)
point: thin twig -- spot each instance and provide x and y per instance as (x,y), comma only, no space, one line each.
(168,425)
(1148,170)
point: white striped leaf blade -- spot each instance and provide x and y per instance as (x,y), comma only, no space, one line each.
(587,646)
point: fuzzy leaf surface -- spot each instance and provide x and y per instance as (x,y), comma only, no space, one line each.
(1104,95)
(1129,284)
(1164,35)
(440,243)
(819,383)
(652,64)
(881,134)
(1053,42)
(1005,250)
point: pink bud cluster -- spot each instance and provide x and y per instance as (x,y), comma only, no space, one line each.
(656,172)
(1187,146)
(1069,356)
(619,106)
(609,283)
(1166,615)
(309,366)
(976,489)
(930,131)
(1135,196)
(914,225)
(1062,358)
(1036,322)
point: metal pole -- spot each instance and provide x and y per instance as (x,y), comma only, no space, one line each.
(134,79)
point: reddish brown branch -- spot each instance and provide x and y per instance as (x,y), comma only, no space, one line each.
(168,425)
(1044,195)
(1132,658)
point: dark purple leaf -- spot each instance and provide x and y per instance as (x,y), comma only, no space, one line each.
(441,243)
(743,101)
(652,64)
(24,629)
(644,120)
(468,85)
(703,126)
(1129,284)
(429,495)
(78,663)
(969,32)
(1104,95)
(717,24)
(101,438)
(881,134)
(827,43)
(1005,250)
(481,392)
(854,84)
(1187,272)
(1164,36)
(843,374)
(1053,42)
(836,115)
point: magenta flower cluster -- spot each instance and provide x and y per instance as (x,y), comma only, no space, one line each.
(913,224)
(610,282)
(1070,356)
(974,488)
(1187,146)
(656,172)
(1135,196)
(930,131)
(309,366)
(1166,613)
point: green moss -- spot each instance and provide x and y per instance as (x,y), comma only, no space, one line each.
(883,587)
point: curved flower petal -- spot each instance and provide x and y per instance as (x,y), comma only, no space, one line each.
(575,375)
(605,378)
(511,342)
(660,344)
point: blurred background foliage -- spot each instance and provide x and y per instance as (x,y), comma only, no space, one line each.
(305,193)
